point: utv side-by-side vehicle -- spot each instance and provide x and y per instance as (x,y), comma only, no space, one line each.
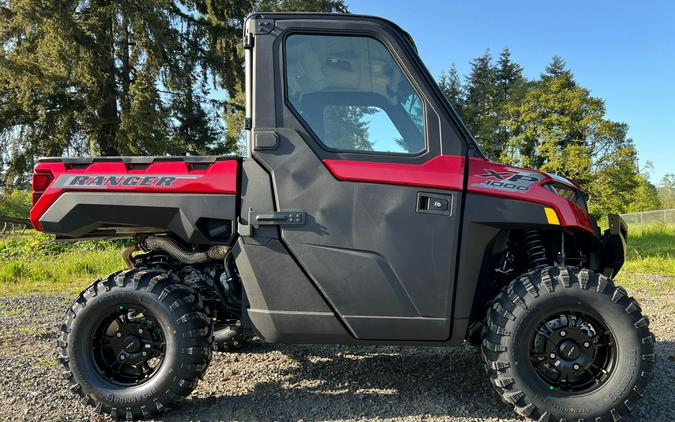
(364,214)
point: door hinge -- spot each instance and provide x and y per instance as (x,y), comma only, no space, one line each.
(248,40)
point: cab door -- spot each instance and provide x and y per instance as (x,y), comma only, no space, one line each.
(367,170)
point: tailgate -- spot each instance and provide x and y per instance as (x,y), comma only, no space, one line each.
(192,197)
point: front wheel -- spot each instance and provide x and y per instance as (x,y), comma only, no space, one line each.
(561,343)
(135,343)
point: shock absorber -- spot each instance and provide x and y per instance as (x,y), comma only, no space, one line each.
(534,247)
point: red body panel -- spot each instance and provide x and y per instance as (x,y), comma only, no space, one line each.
(447,172)
(219,177)
(569,213)
(442,172)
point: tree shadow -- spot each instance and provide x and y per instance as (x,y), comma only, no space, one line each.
(350,382)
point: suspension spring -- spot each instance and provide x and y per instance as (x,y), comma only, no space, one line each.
(534,247)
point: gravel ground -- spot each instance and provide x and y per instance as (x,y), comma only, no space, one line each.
(278,382)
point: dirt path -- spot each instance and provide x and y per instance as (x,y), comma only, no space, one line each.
(276,382)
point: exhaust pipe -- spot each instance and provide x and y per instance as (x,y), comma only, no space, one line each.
(171,247)
(225,334)
(127,255)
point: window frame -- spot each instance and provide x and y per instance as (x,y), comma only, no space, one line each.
(402,68)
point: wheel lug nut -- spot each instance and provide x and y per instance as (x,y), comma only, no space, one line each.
(563,333)
(140,331)
(576,366)
(587,344)
(119,334)
(122,357)
(552,356)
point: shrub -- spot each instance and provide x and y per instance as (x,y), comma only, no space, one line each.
(16,204)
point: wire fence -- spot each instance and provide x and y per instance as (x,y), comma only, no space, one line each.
(664,217)
(13,226)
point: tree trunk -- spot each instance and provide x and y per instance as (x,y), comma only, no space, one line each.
(124,52)
(106,112)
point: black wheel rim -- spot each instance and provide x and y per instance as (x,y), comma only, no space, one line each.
(128,345)
(573,352)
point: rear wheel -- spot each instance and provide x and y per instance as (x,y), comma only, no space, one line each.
(135,343)
(567,344)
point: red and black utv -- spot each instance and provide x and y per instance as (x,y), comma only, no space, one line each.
(363,213)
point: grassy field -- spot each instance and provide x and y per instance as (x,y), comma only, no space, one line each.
(649,271)
(34,263)
(651,249)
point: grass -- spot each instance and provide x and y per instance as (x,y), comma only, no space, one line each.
(651,250)
(33,331)
(649,270)
(34,263)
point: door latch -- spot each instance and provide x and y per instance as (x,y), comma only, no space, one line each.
(270,218)
(433,203)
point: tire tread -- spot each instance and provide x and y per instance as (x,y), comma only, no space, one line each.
(495,342)
(190,316)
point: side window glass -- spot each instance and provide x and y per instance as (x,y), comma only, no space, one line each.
(352,94)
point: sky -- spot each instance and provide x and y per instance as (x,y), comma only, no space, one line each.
(623,52)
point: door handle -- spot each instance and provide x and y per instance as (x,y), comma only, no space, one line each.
(434,203)
(270,218)
(276,218)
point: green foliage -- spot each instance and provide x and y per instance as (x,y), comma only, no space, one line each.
(666,191)
(483,102)
(14,271)
(122,77)
(40,245)
(552,124)
(480,103)
(144,127)
(17,203)
(35,263)
(452,88)
(646,196)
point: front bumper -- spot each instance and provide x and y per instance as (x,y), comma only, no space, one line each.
(613,246)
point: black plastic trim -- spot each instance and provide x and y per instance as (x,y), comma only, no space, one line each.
(138,160)
(124,214)
(614,246)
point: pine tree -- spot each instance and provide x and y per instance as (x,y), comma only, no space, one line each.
(509,80)
(560,128)
(144,126)
(510,87)
(116,76)
(479,108)
(452,88)
(224,44)
(557,69)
